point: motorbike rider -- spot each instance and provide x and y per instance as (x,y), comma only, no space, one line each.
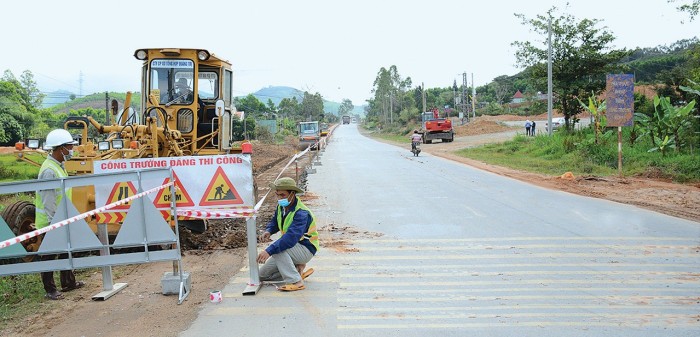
(415,139)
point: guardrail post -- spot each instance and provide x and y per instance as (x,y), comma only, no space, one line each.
(109,288)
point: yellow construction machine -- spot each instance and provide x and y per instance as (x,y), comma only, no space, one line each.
(188,110)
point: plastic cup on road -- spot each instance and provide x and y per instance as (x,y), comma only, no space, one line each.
(215,296)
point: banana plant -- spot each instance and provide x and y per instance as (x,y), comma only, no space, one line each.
(597,109)
(675,119)
(664,145)
(691,90)
(667,123)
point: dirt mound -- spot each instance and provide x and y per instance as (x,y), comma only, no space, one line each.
(480,126)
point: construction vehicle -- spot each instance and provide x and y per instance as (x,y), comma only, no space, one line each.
(175,122)
(433,127)
(309,135)
(346,119)
(325,128)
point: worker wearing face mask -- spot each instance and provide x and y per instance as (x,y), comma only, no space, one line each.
(285,259)
(61,143)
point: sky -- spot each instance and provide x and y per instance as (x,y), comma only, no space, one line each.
(335,48)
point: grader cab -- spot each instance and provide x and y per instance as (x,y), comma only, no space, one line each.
(188,110)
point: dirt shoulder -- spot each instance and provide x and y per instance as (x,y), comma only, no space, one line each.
(140,309)
(678,200)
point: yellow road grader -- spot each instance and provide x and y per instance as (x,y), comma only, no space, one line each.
(188,110)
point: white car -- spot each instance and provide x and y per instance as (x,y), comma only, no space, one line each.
(556,123)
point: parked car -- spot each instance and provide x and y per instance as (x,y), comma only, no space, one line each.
(557,122)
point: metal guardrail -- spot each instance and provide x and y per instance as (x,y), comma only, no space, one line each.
(144,236)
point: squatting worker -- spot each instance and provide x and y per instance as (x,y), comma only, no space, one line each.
(61,143)
(285,259)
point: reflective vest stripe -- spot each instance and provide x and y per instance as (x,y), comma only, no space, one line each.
(311,234)
(41,220)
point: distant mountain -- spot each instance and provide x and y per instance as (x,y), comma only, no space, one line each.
(277,93)
(60,102)
(94,101)
(55,98)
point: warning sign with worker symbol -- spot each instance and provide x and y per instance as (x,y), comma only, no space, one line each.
(214,182)
(121,191)
(182,198)
(220,191)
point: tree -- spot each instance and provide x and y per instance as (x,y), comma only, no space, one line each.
(251,105)
(392,96)
(12,131)
(581,56)
(289,107)
(271,105)
(312,107)
(501,87)
(33,95)
(381,88)
(345,107)
(13,104)
(691,8)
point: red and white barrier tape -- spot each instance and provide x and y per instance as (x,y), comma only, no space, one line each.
(218,213)
(295,157)
(27,236)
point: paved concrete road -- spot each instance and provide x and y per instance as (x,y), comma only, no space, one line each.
(470,253)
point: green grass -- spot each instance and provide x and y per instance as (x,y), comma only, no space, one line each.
(23,295)
(392,137)
(14,169)
(577,153)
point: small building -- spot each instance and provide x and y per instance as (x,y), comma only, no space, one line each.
(518,97)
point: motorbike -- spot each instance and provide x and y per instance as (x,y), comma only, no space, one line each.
(415,148)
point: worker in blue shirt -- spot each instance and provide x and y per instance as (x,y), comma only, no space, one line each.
(285,259)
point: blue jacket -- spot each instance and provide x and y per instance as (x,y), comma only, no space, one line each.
(300,224)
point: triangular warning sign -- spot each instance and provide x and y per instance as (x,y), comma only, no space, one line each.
(220,191)
(182,198)
(121,191)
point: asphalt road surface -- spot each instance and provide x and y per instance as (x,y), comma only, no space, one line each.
(469,253)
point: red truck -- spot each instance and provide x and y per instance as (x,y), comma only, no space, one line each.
(434,127)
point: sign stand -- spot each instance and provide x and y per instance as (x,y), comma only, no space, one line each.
(254,283)
(619,151)
(619,90)
(109,288)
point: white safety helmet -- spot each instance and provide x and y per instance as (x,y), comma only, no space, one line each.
(59,137)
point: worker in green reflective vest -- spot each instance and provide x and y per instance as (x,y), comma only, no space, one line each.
(61,143)
(285,259)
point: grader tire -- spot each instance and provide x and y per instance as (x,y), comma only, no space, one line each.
(20,218)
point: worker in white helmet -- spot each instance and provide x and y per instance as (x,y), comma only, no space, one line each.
(61,144)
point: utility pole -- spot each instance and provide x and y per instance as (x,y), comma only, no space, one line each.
(80,80)
(464,95)
(473,97)
(107,112)
(454,94)
(423,92)
(391,108)
(549,78)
